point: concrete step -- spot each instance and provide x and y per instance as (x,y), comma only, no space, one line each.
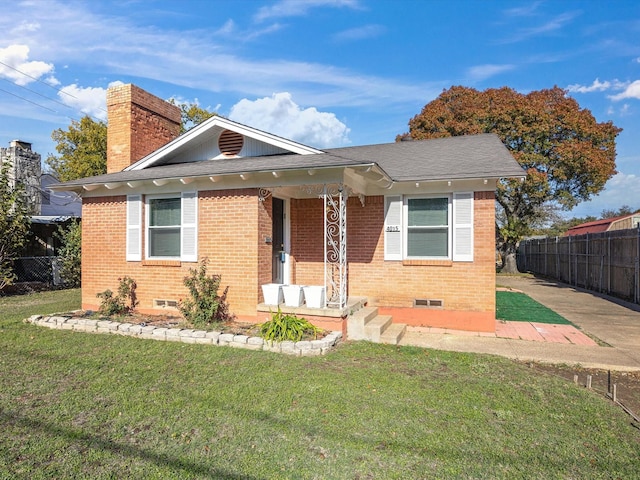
(374,327)
(393,333)
(356,323)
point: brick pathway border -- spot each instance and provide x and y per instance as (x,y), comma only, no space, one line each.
(301,348)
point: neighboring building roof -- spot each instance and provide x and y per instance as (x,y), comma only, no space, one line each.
(51,219)
(596,226)
(468,157)
(58,204)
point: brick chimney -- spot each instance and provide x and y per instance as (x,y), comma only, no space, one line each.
(138,124)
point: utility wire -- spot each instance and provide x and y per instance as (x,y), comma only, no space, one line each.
(38,93)
(41,95)
(27,100)
(40,81)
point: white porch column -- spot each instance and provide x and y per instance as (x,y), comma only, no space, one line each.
(335,245)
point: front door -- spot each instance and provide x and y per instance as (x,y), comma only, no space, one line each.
(278,244)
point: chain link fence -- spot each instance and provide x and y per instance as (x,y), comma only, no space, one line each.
(37,269)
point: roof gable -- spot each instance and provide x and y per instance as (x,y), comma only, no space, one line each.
(203,143)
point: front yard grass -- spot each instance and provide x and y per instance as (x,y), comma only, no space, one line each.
(76,405)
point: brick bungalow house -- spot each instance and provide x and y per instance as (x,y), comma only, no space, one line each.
(407,227)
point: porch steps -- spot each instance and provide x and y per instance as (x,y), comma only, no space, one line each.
(368,324)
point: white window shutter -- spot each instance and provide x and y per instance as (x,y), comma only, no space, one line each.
(463,227)
(134,228)
(189,237)
(393,227)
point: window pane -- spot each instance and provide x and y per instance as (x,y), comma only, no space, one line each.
(428,211)
(164,212)
(164,242)
(432,242)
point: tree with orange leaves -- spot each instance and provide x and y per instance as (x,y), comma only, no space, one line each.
(567,155)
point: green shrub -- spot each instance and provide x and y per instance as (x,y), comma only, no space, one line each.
(286,326)
(123,303)
(71,238)
(204,306)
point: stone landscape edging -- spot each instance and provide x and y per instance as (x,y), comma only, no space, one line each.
(301,348)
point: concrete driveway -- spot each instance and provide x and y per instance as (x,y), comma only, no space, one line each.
(615,324)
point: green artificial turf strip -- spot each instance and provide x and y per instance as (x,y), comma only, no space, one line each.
(81,405)
(519,307)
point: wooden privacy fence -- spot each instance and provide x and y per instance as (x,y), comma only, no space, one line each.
(606,262)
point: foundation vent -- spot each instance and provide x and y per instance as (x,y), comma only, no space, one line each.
(157,303)
(230,143)
(428,302)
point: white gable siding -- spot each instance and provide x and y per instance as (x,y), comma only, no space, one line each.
(208,150)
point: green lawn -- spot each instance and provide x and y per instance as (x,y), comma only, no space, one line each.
(519,307)
(77,405)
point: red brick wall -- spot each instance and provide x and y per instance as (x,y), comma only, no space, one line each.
(232,228)
(139,123)
(227,235)
(462,286)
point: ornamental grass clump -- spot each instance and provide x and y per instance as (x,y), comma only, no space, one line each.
(285,326)
(204,306)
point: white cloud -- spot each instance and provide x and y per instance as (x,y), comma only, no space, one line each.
(524,11)
(359,33)
(596,86)
(555,24)
(631,91)
(280,115)
(297,8)
(16,67)
(88,100)
(481,72)
(118,47)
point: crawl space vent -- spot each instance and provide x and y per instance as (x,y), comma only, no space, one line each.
(426,302)
(230,143)
(165,303)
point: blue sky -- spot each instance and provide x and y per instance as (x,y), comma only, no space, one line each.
(324,72)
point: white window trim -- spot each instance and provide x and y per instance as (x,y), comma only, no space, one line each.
(405,226)
(181,196)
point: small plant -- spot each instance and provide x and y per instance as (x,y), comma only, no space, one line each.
(286,326)
(204,306)
(123,303)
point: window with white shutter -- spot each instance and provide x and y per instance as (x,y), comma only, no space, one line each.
(429,227)
(172,226)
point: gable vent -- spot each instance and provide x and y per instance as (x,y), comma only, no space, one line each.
(230,143)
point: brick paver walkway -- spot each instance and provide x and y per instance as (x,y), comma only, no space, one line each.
(542,332)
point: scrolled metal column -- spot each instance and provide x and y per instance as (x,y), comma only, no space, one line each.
(335,245)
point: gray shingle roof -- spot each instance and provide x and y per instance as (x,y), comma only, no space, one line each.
(466,157)
(471,156)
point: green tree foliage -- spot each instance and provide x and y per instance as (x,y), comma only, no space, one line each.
(621,212)
(69,254)
(14,224)
(192,114)
(82,150)
(560,226)
(566,154)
